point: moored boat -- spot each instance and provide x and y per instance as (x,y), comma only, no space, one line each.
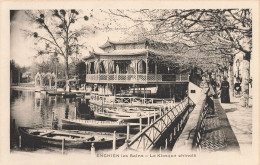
(95,125)
(54,93)
(73,139)
(81,95)
(69,95)
(127,110)
(127,117)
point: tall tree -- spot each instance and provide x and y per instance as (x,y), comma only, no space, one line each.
(81,70)
(222,31)
(59,32)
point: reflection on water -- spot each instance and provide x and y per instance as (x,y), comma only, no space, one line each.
(33,109)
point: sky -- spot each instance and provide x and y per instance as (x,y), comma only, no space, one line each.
(22,47)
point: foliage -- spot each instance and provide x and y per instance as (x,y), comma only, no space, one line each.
(58,32)
(17,71)
(48,66)
(219,31)
(81,71)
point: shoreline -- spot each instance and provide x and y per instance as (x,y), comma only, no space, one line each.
(22,87)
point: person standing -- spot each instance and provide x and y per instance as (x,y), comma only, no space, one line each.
(224,91)
(214,84)
(204,85)
(237,87)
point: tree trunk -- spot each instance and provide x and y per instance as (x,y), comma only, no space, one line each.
(67,60)
(225,74)
(66,69)
(245,80)
(67,74)
(231,79)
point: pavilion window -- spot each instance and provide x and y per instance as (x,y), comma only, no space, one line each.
(91,68)
(110,67)
(121,66)
(103,67)
(141,67)
(151,67)
(131,68)
(87,68)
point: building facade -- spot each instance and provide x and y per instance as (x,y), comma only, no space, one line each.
(135,68)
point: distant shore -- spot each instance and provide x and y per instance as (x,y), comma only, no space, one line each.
(23,86)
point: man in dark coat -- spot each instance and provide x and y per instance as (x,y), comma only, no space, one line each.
(225,91)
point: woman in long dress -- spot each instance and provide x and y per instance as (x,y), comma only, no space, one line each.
(224,91)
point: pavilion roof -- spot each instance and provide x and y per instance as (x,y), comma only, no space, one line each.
(131,52)
(123,52)
(108,43)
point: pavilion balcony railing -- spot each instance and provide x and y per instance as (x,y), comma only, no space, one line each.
(142,78)
(46,87)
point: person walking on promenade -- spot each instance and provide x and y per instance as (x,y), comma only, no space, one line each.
(214,84)
(224,91)
(204,85)
(237,87)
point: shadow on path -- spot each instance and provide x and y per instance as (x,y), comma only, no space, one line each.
(218,134)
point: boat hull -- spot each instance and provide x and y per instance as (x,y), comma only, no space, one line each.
(97,125)
(105,145)
(37,141)
(69,95)
(54,93)
(125,118)
(33,140)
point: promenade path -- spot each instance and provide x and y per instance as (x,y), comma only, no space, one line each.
(240,119)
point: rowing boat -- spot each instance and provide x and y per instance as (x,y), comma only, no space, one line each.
(125,111)
(95,125)
(73,139)
(69,95)
(126,117)
(54,93)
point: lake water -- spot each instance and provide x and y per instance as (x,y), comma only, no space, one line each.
(33,109)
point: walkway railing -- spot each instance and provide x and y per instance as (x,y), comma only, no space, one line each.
(149,137)
(136,77)
(107,99)
(200,128)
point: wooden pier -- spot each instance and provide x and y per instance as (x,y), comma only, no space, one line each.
(164,131)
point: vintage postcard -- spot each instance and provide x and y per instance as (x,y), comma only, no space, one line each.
(130,82)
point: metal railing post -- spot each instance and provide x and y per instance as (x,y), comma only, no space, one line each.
(92,149)
(154,115)
(62,146)
(140,121)
(148,122)
(20,142)
(166,144)
(114,141)
(128,132)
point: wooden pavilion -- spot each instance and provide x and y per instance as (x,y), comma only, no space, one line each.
(134,68)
